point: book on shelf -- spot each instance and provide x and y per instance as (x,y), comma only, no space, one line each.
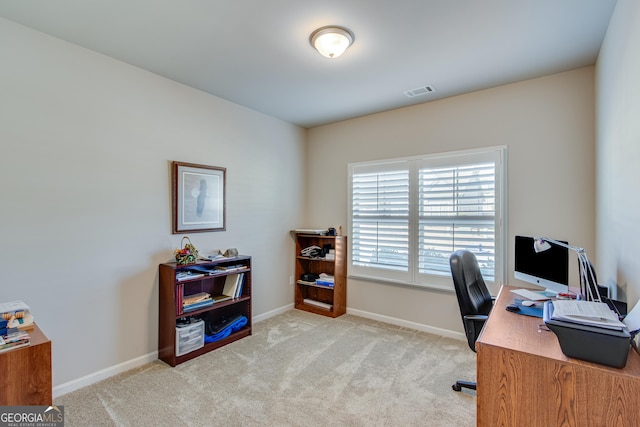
(179,297)
(238,293)
(187,275)
(195,298)
(233,282)
(14,340)
(234,267)
(196,301)
(197,306)
(220,298)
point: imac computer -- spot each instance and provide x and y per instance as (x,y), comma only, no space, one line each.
(548,269)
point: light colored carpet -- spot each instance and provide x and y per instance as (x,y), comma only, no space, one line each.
(297,369)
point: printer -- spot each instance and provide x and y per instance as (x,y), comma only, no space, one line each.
(607,346)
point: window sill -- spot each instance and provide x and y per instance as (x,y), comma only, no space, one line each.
(385,281)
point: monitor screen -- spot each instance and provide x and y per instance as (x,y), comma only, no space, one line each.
(548,269)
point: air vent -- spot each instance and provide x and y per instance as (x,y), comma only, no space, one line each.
(422,90)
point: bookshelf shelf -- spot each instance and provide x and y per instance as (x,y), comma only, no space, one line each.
(173,292)
(324,300)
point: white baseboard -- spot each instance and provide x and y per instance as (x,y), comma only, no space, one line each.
(408,324)
(268,314)
(93,378)
(134,363)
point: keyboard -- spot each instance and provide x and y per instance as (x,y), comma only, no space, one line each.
(530,295)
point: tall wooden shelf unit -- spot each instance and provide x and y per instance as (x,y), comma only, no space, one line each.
(333,300)
(173,290)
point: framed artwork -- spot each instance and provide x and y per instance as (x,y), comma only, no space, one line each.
(198,194)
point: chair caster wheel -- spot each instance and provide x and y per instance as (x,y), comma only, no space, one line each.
(456,387)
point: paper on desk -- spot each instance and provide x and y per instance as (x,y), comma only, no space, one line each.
(632,319)
(587,313)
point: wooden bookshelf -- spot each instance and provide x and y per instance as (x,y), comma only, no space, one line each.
(327,301)
(173,291)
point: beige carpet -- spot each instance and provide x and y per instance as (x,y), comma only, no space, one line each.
(297,369)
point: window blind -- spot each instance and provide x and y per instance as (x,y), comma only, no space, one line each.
(408,215)
(456,211)
(380,219)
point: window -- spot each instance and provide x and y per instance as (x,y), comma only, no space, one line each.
(408,215)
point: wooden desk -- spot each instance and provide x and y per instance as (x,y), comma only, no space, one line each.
(25,372)
(524,379)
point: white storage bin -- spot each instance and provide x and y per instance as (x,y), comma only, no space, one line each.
(189,337)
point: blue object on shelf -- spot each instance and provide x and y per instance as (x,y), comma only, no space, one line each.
(231,327)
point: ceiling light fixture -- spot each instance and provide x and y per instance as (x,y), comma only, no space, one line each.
(331,41)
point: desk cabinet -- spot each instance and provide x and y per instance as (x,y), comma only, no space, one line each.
(25,373)
(524,379)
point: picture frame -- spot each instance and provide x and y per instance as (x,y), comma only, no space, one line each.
(198,197)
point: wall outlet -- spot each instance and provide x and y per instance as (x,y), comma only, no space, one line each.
(290,280)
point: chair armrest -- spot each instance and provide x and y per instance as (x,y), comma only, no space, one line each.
(478,317)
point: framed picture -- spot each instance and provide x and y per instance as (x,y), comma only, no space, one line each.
(198,194)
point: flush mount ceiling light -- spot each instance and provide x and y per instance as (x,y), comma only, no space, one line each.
(331,41)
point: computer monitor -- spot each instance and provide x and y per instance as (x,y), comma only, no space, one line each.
(548,269)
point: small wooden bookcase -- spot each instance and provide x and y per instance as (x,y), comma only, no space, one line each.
(173,292)
(328,301)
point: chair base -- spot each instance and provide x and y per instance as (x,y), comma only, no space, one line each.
(466,384)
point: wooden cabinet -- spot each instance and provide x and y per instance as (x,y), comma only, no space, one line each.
(174,291)
(25,377)
(328,301)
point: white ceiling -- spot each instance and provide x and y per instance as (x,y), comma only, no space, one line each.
(256,53)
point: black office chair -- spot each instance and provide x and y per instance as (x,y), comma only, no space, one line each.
(474,300)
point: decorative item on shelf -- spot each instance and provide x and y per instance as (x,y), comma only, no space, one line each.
(231,253)
(188,254)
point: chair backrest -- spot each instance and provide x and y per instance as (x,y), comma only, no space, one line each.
(473,295)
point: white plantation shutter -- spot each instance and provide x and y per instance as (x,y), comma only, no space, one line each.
(456,211)
(408,215)
(380,219)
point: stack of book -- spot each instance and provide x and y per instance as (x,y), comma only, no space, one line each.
(15,321)
(196,301)
(14,340)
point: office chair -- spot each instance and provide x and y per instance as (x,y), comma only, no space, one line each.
(474,300)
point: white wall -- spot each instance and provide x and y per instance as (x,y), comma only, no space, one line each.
(547,124)
(618,152)
(85,220)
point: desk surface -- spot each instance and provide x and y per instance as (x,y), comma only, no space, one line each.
(525,379)
(521,333)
